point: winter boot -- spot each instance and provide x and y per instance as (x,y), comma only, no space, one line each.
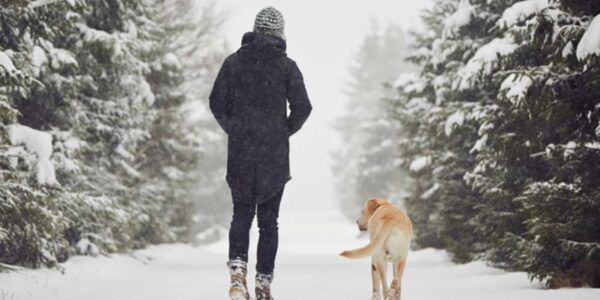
(263,286)
(237,271)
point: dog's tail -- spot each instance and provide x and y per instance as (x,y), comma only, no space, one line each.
(370,248)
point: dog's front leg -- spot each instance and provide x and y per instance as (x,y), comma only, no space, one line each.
(376,280)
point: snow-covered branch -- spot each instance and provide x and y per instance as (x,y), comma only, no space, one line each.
(40,3)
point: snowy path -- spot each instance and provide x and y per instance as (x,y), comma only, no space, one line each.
(308,268)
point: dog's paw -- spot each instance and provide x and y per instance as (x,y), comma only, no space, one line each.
(393,294)
(376,296)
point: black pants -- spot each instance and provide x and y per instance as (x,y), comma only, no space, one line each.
(244,209)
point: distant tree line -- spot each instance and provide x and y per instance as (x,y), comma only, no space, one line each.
(366,165)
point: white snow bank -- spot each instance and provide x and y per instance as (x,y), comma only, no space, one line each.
(590,41)
(520,11)
(6,62)
(309,244)
(460,18)
(484,60)
(420,163)
(38,142)
(454,120)
(516,87)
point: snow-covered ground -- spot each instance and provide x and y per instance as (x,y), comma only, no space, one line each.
(308,268)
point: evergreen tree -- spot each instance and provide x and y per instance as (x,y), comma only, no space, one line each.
(548,165)
(171,159)
(437,132)
(200,46)
(31,225)
(94,153)
(502,135)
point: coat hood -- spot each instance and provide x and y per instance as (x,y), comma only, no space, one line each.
(257,46)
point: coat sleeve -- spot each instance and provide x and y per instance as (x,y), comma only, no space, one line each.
(299,103)
(220,96)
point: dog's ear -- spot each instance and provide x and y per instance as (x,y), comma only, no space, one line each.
(372,205)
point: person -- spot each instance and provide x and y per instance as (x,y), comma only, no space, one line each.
(249,100)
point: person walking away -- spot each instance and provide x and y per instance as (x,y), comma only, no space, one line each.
(249,100)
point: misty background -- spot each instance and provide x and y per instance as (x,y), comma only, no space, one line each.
(325,37)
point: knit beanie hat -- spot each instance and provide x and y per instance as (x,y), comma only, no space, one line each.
(270,21)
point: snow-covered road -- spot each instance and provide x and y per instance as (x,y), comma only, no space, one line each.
(308,268)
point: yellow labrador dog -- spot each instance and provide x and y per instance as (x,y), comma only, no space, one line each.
(390,231)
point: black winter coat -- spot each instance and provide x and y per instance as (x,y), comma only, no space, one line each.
(249,100)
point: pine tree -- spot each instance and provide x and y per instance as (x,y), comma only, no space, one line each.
(96,84)
(171,158)
(502,135)
(552,98)
(536,109)
(203,57)
(437,131)
(31,225)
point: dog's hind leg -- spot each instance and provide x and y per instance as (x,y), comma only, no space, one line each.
(396,288)
(381,265)
(376,294)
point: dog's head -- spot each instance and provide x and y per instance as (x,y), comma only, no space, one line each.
(367,211)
